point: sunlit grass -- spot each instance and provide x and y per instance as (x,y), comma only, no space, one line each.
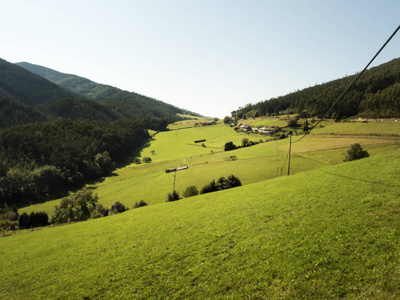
(150,183)
(326,234)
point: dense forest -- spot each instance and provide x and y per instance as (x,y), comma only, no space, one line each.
(20,85)
(375,95)
(38,159)
(124,103)
(27,97)
(13,113)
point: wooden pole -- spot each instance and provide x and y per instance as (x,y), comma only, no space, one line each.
(174,181)
(290,146)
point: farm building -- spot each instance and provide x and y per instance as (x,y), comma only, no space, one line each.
(264,131)
(245,127)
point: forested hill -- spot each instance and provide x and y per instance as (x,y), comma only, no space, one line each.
(127,104)
(20,85)
(375,95)
(13,113)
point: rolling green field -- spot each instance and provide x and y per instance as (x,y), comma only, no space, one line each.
(149,182)
(323,234)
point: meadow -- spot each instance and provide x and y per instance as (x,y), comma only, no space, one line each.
(326,145)
(332,232)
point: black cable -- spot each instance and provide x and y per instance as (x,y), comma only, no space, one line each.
(342,95)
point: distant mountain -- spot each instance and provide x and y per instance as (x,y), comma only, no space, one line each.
(16,83)
(375,95)
(127,104)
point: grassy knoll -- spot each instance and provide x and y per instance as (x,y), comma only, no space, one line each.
(323,234)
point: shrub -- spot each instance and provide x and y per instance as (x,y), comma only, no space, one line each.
(98,212)
(24,221)
(245,142)
(139,204)
(190,191)
(229,146)
(209,188)
(76,207)
(231,158)
(227,120)
(5,225)
(356,152)
(174,196)
(146,159)
(37,219)
(293,123)
(116,208)
(221,184)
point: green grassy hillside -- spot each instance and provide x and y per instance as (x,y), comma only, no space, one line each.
(323,234)
(267,160)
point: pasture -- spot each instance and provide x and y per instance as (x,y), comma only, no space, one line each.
(332,232)
(325,146)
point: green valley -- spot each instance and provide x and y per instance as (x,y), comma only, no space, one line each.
(209,161)
(327,233)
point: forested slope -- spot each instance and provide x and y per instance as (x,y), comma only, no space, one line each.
(376,95)
(13,113)
(41,158)
(20,85)
(127,104)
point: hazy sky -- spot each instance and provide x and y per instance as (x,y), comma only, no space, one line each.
(210,57)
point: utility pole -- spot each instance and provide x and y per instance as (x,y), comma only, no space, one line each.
(290,146)
(174,181)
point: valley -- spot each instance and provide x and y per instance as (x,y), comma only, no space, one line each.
(149,182)
(329,230)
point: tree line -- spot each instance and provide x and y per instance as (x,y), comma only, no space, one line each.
(42,158)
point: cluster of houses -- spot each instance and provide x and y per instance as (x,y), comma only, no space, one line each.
(265,131)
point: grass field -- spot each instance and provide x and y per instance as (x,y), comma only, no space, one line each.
(149,182)
(324,234)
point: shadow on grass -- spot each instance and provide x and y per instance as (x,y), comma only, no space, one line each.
(363,180)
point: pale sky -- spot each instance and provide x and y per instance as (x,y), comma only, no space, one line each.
(207,56)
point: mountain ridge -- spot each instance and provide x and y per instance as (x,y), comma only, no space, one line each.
(19,84)
(106,94)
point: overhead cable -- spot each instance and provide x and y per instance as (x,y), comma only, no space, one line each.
(349,87)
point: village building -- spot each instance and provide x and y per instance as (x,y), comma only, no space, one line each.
(245,127)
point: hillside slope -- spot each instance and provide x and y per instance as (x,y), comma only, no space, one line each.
(376,95)
(127,104)
(16,83)
(330,233)
(13,113)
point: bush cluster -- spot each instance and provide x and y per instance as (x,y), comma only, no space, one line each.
(76,207)
(116,208)
(245,143)
(141,203)
(34,219)
(356,152)
(174,196)
(221,184)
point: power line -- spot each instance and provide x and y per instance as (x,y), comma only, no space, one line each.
(349,87)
